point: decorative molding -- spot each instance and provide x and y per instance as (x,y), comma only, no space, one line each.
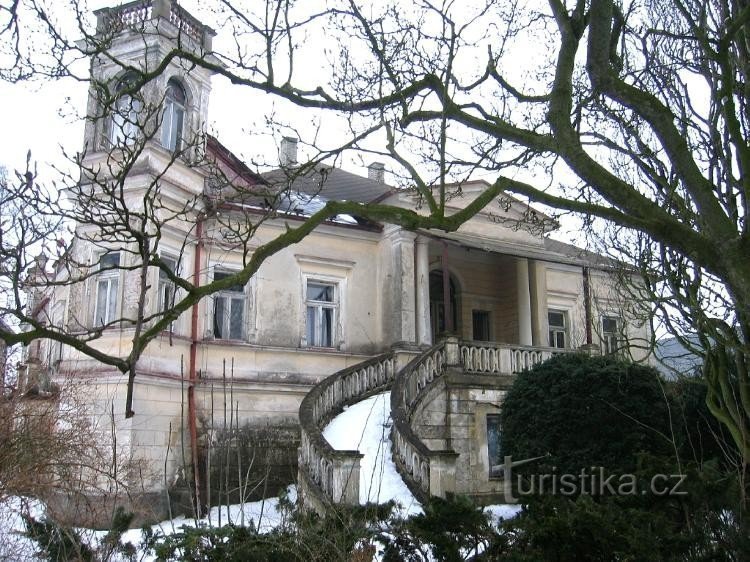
(303,259)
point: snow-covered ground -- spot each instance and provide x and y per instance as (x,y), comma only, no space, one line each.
(264,514)
(364,426)
(15,546)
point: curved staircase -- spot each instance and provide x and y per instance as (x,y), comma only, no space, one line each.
(329,476)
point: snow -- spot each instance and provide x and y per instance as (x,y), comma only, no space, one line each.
(502,511)
(265,515)
(366,427)
(15,544)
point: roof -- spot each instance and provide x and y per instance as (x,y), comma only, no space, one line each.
(579,255)
(551,251)
(221,152)
(329,183)
(237,186)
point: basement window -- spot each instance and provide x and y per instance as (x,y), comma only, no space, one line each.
(494,445)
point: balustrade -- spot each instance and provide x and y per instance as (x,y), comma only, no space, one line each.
(135,14)
(498,358)
(427,472)
(335,473)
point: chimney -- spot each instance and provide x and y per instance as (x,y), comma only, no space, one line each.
(376,172)
(288,151)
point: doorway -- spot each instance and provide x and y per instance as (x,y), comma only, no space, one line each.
(437,305)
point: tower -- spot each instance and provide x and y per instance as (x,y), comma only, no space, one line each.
(142,91)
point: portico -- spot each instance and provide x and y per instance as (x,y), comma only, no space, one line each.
(476,293)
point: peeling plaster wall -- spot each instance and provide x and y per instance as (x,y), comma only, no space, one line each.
(453,415)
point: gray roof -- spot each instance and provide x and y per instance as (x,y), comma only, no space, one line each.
(579,255)
(329,183)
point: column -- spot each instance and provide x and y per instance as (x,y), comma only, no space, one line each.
(524,302)
(403,305)
(538,284)
(424,333)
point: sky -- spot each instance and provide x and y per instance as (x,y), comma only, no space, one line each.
(46,117)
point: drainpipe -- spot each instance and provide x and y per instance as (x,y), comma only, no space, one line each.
(587,305)
(192,416)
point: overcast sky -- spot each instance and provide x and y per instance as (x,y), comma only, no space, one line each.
(46,116)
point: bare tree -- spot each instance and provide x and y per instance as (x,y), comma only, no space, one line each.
(632,112)
(97,221)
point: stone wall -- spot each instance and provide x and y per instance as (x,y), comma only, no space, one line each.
(429,419)
(251,463)
(453,415)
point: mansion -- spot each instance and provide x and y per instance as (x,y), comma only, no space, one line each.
(355,307)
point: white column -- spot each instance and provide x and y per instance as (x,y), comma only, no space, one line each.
(538,284)
(424,333)
(403,328)
(524,302)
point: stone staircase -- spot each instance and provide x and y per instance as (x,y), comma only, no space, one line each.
(328,476)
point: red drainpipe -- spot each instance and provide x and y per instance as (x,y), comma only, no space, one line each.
(192,417)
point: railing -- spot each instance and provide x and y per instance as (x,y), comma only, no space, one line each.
(428,472)
(425,471)
(187,24)
(135,14)
(421,372)
(329,474)
(499,358)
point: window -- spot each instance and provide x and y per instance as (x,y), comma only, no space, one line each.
(174,116)
(480,320)
(437,304)
(321,308)
(229,310)
(124,127)
(610,334)
(55,347)
(558,328)
(107,288)
(166,286)
(494,445)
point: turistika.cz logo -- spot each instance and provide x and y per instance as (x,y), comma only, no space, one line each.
(594,481)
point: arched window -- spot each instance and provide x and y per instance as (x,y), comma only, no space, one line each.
(174,116)
(124,128)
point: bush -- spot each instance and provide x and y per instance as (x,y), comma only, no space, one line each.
(449,529)
(344,534)
(601,412)
(586,411)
